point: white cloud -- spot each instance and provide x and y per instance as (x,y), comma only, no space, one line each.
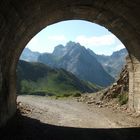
(57,38)
(33,44)
(119,47)
(96,40)
(33,41)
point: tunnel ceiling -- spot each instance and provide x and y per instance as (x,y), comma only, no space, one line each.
(21,20)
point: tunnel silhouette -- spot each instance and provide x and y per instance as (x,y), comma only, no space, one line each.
(22,20)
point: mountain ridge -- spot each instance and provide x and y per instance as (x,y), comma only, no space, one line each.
(114,63)
(38,77)
(73,54)
(76,59)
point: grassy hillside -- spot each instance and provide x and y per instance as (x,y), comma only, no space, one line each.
(37,78)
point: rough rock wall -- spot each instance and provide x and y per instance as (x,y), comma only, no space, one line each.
(120,87)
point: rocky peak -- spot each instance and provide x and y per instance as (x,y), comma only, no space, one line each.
(73,45)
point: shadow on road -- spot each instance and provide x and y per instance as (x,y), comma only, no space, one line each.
(24,128)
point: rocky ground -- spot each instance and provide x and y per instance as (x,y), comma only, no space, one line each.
(117,90)
(120,114)
(84,112)
(66,112)
(42,118)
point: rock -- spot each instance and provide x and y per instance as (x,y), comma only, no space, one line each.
(90,102)
(100,106)
(114,84)
(19,104)
(99,103)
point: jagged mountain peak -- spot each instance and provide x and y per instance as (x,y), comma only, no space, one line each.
(72,44)
(76,58)
(84,62)
(69,46)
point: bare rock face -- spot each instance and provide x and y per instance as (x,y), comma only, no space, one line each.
(120,87)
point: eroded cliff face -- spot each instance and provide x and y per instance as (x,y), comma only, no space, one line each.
(120,87)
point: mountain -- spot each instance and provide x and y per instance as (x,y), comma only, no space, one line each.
(34,77)
(29,55)
(114,63)
(76,59)
(58,59)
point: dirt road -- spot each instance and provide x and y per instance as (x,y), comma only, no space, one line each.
(69,112)
(42,118)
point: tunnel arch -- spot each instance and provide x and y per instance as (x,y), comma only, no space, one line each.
(21,20)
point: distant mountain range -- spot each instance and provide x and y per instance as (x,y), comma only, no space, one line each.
(30,56)
(82,62)
(114,63)
(35,77)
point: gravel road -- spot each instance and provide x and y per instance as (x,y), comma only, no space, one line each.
(69,112)
(42,118)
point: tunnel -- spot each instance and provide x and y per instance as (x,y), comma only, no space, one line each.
(22,20)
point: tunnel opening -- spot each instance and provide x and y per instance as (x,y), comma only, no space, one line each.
(117,16)
(55,74)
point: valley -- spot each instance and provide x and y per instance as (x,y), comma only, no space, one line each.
(40,79)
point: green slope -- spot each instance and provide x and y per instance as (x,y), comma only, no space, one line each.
(37,78)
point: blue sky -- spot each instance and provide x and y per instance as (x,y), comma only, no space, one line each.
(88,34)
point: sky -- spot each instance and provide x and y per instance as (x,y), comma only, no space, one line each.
(90,35)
